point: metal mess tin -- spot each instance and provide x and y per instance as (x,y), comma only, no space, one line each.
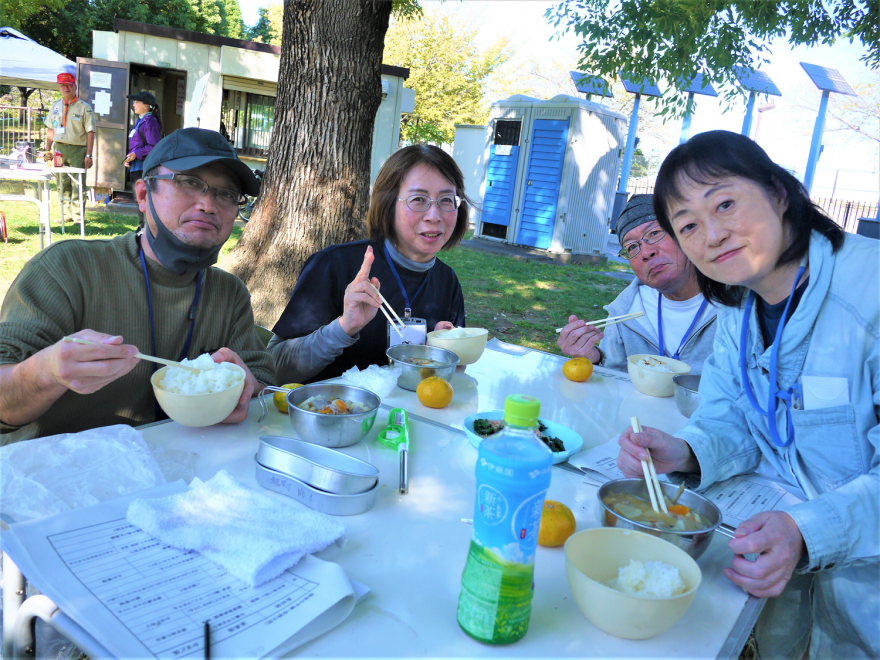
(325,469)
(319,500)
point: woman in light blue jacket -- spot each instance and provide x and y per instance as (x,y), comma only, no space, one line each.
(799,336)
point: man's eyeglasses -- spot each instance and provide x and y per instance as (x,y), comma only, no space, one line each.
(195,187)
(420,203)
(631,250)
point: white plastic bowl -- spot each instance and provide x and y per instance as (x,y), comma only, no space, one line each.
(594,556)
(468,349)
(197,409)
(650,381)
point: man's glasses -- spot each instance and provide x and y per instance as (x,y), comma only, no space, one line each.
(631,250)
(420,203)
(194,187)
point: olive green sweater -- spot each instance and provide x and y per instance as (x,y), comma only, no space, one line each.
(99,285)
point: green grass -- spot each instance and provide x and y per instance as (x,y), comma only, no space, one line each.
(519,301)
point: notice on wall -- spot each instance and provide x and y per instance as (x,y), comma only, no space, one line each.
(101,80)
(181,95)
(102,103)
(502,149)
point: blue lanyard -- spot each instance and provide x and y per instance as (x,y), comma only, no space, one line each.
(686,334)
(192,319)
(774,391)
(407,310)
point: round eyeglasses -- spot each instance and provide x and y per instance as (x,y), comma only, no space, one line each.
(631,250)
(421,203)
(194,187)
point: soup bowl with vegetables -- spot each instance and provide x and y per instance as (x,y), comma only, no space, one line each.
(689,524)
(332,415)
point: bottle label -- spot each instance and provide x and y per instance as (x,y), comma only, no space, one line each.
(496,595)
(512,535)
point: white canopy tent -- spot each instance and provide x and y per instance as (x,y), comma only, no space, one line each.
(25,63)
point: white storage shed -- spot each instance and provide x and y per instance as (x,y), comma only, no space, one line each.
(550,174)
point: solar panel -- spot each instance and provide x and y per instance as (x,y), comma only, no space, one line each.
(756,81)
(590,84)
(644,87)
(695,85)
(828,80)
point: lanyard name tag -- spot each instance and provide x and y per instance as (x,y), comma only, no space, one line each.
(59,130)
(415,331)
(133,132)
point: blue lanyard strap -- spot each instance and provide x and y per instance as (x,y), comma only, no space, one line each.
(407,310)
(192,320)
(686,334)
(774,393)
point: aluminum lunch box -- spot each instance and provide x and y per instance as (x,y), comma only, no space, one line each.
(319,500)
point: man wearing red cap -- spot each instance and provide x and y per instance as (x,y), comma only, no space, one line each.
(71,125)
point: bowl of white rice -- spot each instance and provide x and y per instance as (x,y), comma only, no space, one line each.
(630,584)
(652,374)
(467,343)
(199,399)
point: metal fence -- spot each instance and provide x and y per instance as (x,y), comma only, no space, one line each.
(844,212)
(19,124)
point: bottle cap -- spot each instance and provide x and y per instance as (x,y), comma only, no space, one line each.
(521,410)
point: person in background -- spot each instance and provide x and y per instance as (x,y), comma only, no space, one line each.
(154,290)
(678,322)
(71,133)
(792,387)
(144,136)
(418,207)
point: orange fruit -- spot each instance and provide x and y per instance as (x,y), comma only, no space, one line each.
(557,524)
(577,369)
(280,398)
(434,392)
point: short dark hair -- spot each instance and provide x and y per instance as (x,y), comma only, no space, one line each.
(380,217)
(709,156)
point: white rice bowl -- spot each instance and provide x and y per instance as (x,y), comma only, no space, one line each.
(655,365)
(654,579)
(212,378)
(462,333)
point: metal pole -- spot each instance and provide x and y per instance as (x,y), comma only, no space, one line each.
(630,146)
(816,144)
(747,120)
(686,124)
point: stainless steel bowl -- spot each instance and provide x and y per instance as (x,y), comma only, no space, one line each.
(693,543)
(413,374)
(332,430)
(685,388)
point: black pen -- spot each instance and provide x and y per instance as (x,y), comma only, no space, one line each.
(207,641)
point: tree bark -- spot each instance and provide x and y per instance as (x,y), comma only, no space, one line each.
(315,191)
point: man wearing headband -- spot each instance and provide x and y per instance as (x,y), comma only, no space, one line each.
(154,291)
(677,321)
(71,133)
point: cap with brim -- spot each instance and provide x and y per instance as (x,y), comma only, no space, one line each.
(144,97)
(639,210)
(189,148)
(66,79)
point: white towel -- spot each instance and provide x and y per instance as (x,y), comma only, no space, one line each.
(254,536)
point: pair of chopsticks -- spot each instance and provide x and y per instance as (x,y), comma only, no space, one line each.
(139,356)
(387,316)
(611,320)
(658,502)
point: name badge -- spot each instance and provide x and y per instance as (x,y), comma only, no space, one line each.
(59,130)
(819,392)
(133,132)
(415,331)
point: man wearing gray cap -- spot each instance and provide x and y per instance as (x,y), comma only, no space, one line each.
(678,322)
(153,291)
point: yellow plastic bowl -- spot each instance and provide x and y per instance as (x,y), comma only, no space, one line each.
(594,556)
(468,349)
(650,381)
(197,409)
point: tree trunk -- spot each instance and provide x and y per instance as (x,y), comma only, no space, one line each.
(25,93)
(316,188)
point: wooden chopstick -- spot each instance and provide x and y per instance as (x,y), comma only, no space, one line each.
(385,302)
(611,320)
(140,356)
(657,500)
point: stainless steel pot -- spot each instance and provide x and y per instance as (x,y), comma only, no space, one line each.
(413,374)
(332,430)
(685,388)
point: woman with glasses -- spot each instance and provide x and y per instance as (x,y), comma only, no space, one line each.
(792,389)
(678,322)
(418,207)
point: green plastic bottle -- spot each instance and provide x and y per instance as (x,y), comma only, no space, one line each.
(513,475)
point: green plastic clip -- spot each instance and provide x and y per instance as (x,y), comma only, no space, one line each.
(397,431)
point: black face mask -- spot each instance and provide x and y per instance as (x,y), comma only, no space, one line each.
(174,254)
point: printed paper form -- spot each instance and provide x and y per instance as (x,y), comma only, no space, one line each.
(738,498)
(139,597)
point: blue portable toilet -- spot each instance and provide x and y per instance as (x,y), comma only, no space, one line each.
(550,174)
